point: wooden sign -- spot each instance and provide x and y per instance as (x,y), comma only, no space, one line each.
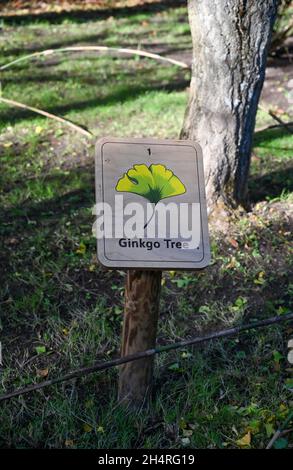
(151,208)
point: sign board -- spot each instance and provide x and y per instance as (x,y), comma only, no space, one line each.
(151,208)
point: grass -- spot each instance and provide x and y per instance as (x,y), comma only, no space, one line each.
(60,310)
(272,166)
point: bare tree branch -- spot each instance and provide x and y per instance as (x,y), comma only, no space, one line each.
(281,431)
(17,104)
(276,118)
(150,352)
(95,49)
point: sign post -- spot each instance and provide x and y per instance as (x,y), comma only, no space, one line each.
(150,216)
(142,298)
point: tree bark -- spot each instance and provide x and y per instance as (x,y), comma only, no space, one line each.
(142,297)
(230,45)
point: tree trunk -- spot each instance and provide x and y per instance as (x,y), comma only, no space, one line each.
(230,45)
(142,297)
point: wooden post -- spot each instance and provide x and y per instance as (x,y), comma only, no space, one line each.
(142,297)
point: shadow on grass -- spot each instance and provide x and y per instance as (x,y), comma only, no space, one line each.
(271,185)
(262,138)
(59,205)
(140,38)
(280,59)
(81,16)
(42,72)
(52,227)
(273,177)
(77,41)
(123,94)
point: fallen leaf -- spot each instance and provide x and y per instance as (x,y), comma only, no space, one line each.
(232,263)
(245,440)
(185,441)
(38,130)
(283,407)
(69,443)
(42,372)
(87,428)
(260,278)
(233,242)
(81,249)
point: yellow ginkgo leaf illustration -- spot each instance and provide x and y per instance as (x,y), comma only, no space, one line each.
(245,440)
(154,183)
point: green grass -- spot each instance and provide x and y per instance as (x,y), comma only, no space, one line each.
(60,310)
(272,172)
